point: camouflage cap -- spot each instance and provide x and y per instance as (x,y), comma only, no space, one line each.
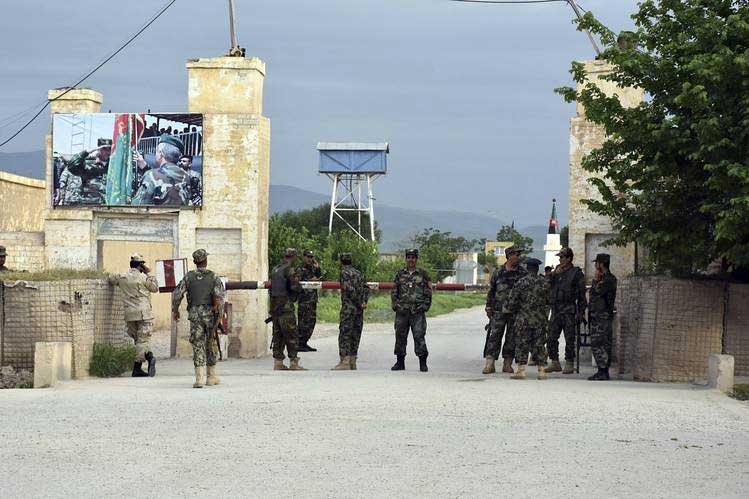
(345,257)
(103,142)
(566,252)
(533,262)
(512,249)
(603,258)
(289,252)
(308,253)
(199,255)
(412,252)
(137,257)
(2,251)
(172,140)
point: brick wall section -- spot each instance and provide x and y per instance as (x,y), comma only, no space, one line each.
(25,250)
(79,311)
(736,339)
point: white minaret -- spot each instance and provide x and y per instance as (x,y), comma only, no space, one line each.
(553,243)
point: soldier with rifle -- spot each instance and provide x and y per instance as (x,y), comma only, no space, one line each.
(285,289)
(205,301)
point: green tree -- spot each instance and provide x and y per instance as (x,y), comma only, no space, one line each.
(564,236)
(437,251)
(509,233)
(315,221)
(675,169)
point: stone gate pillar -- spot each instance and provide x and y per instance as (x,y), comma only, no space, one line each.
(233,222)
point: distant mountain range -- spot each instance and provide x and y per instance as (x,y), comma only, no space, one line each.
(397,224)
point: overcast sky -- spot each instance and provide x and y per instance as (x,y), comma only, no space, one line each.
(463,92)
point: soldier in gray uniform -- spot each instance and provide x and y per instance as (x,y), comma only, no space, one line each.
(167,183)
(411,298)
(602,300)
(284,291)
(567,308)
(136,287)
(205,300)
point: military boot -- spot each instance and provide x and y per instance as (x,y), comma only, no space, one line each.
(542,372)
(343,365)
(199,377)
(294,365)
(151,364)
(212,378)
(423,364)
(569,367)
(520,374)
(531,361)
(138,371)
(352,361)
(601,375)
(400,363)
(555,367)
(278,365)
(507,365)
(489,367)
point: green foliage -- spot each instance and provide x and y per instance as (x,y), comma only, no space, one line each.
(108,360)
(379,310)
(437,251)
(564,236)
(510,233)
(315,221)
(675,169)
(53,275)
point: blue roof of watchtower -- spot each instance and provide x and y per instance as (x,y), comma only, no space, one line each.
(353,157)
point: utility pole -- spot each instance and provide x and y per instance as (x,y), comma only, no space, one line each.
(235,50)
(587,32)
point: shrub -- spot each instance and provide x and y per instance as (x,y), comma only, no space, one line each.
(108,361)
(741,391)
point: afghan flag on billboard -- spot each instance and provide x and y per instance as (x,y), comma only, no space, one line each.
(128,129)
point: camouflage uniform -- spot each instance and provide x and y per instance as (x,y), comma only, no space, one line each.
(285,289)
(204,292)
(567,303)
(166,185)
(528,301)
(136,288)
(411,298)
(354,294)
(502,282)
(70,188)
(83,181)
(602,299)
(195,183)
(307,302)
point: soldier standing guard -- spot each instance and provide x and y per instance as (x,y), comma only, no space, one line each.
(284,290)
(602,301)
(136,287)
(529,304)
(309,270)
(567,308)
(205,300)
(411,298)
(354,297)
(3,256)
(503,279)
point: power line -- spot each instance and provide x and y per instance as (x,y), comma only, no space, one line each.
(509,1)
(84,78)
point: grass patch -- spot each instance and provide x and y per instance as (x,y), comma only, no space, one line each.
(53,275)
(108,361)
(741,391)
(329,305)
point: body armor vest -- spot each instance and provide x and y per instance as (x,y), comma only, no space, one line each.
(200,288)
(563,290)
(279,281)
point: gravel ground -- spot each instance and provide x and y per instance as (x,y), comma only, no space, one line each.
(372,433)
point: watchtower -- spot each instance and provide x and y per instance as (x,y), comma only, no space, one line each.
(349,166)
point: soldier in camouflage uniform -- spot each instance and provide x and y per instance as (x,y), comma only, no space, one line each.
(354,297)
(601,312)
(205,300)
(502,281)
(194,180)
(285,289)
(136,287)
(567,308)
(528,303)
(309,270)
(167,183)
(84,179)
(411,298)
(3,256)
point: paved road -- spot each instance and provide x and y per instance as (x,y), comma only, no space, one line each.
(372,433)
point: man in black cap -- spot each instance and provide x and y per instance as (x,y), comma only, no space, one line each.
(601,312)
(3,255)
(285,289)
(309,270)
(568,305)
(411,298)
(502,281)
(354,297)
(167,184)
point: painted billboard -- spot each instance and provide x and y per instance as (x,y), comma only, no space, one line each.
(138,159)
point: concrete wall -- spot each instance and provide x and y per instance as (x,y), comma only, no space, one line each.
(669,327)
(21,203)
(587,229)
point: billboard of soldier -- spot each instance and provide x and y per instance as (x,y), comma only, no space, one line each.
(106,159)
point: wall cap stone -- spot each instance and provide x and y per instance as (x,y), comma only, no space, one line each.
(245,63)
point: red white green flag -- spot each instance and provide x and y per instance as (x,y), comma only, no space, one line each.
(128,129)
